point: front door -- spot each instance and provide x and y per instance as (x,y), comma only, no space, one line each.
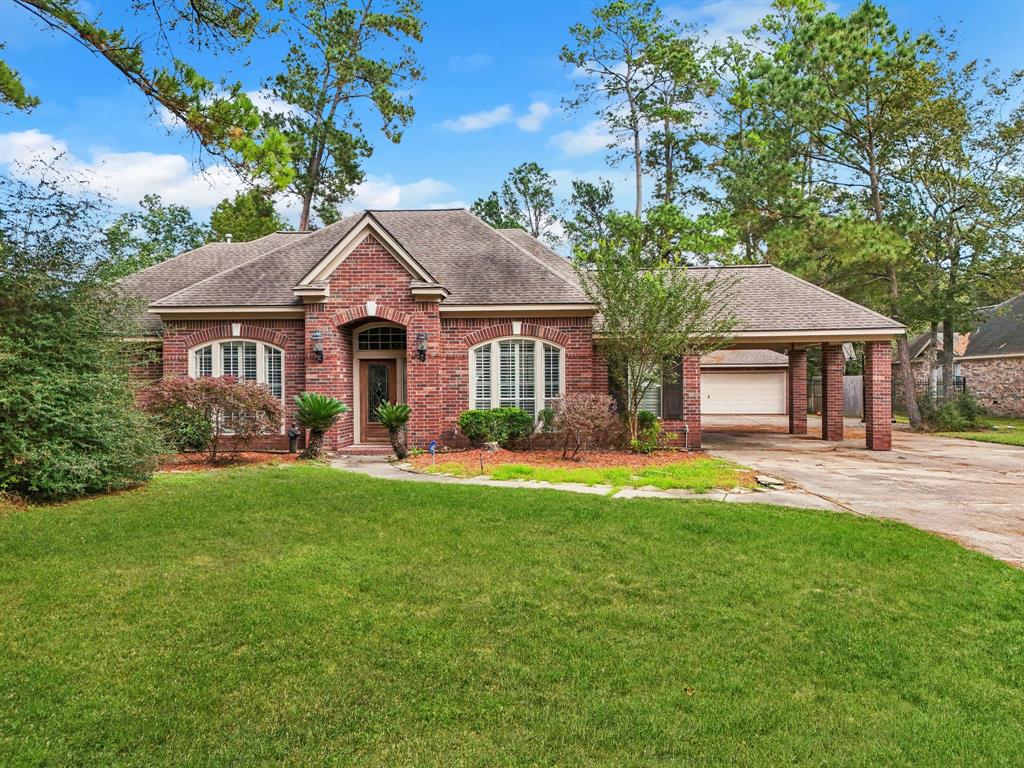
(378,384)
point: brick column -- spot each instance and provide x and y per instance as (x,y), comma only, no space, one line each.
(878,395)
(832,366)
(691,399)
(797,390)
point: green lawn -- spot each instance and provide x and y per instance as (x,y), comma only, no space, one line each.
(701,474)
(998,429)
(303,616)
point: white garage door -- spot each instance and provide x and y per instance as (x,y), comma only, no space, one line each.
(753,392)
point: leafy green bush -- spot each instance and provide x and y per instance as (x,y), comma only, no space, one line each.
(501,425)
(69,424)
(960,414)
(185,428)
(648,438)
(645,420)
(547,420)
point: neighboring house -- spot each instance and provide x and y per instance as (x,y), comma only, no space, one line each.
(988,362)
(439,310)
(993,362)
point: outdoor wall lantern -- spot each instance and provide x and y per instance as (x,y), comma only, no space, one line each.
(318,346)
(421,346)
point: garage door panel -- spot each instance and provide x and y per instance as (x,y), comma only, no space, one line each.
(754,392)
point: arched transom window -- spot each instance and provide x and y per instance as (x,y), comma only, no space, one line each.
(521,373)
(242,359)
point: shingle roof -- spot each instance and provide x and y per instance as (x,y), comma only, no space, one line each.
(743,358)
(477,265)
(765,298)
(1001,332)
(474,262)
(190,267)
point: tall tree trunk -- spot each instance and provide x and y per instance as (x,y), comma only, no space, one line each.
(638,167)
(307,202)
(948,382)
(906,375)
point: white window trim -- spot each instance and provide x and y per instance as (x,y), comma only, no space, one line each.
(217,364)
(541,402)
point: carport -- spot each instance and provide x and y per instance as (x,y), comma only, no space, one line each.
(777,311)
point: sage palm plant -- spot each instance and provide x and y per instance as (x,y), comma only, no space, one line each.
(317,413)
(395,416)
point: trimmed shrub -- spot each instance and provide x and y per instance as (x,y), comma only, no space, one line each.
(584,420)
(547,420)
(244,409)
(500,425)
(184,428)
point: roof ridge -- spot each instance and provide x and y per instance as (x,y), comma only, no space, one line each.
(400,244)
(838,296)
(230,269)
(526,252)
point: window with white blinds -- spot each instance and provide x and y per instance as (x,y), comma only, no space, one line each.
(519,373)
(482,375)
(240,359)
(651,400)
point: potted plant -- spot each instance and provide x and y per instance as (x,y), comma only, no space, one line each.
(394,416)
(317,413)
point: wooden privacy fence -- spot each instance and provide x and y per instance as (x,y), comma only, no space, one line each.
(853,396)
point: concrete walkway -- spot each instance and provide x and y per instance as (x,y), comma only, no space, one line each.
(375,466)
(968,491)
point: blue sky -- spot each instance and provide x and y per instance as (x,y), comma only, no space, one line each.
(492,99)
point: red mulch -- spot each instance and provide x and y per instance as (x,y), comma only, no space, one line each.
(193,462)
(470,459)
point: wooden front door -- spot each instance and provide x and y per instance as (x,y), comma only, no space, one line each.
(378,383)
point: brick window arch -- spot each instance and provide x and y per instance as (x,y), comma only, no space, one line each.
(516,371)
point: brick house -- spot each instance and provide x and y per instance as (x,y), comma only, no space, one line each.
(993,362)
(439,310)
(988,362)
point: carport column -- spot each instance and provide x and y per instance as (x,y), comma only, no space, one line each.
(691,399)
(878,395)
(832,366)
(797,386)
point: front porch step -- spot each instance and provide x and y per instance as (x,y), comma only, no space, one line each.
(364,450)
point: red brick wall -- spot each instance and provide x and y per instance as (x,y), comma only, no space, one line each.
(832,367)
(690,382)
(997,383)
(437,389)
(878,395)
(181,335)
(796,385)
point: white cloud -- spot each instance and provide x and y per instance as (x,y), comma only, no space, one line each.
(384,192)
(474,62)
(591,138)
(265,101)
(533,120)
(478,121)
(724,18)
(124,177)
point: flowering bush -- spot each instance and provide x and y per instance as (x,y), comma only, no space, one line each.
(243,409)
(585,420)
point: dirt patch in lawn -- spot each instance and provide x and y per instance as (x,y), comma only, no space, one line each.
(200,462)
(470,460)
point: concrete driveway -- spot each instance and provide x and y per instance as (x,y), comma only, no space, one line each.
(970,492)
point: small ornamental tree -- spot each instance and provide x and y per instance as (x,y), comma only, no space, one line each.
(243,409)
(583,419)
(652,311)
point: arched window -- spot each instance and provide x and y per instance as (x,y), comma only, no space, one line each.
(242,359)
(380,337)
(518,372)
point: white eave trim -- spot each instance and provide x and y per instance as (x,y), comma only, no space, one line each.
(366,226)
(429,292)
(847,334)
(316,291)
(512,310)
(968,358)
(227,311)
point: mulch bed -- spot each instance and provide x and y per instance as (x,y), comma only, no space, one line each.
(197,462)
(470,459)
